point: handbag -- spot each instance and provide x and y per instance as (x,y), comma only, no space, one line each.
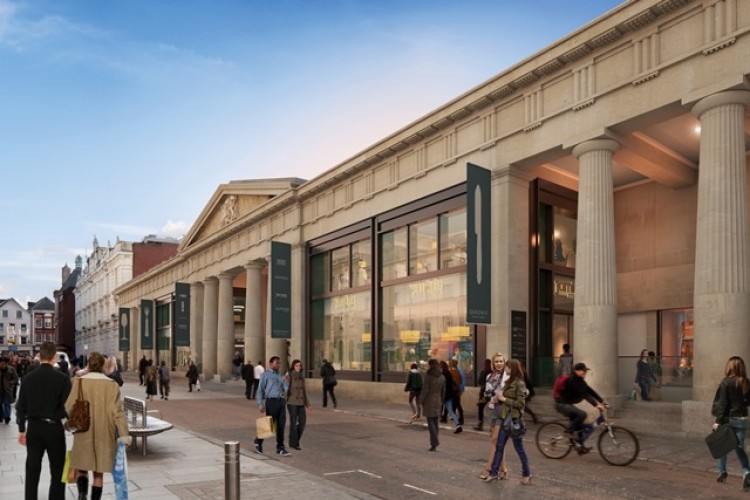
(79,418)
(721,441)
(265,427)
(514,427)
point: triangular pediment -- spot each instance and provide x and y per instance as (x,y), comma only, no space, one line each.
(232,202)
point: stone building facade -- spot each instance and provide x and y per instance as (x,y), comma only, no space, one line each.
(618,159)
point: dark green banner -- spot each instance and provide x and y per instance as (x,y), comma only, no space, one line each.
(182,315)
(281,290)
(479,228)
(147,324)
(124,337)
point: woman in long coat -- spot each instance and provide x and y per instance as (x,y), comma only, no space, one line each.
(432,397)
(94,450)
(296,404)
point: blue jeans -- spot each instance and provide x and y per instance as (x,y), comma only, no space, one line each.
(739,426)
(644,385)
(451,411)
(5,399)
(502,438)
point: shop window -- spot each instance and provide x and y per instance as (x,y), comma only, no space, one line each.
(361,263)
(320,277)
(341,331)
(426,319)
(453,239)
(394,245)
(564,238)
(340,268)
(676,343)
(423,247)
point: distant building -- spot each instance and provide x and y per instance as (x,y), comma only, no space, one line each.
(42,321)
(107,268)
(15,330)
(65,307)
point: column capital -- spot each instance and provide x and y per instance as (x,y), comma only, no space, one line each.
(720,99)
(596,145)
(223,276)
(210,280)
(256,264)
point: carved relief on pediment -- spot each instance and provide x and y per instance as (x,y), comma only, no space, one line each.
(227,211)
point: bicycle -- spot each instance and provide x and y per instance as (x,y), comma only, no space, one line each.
(616,445)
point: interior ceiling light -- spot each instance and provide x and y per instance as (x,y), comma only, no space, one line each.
(697,129)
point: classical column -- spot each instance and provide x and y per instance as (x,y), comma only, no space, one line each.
(225,340)
(196,322)
(135,336)
(722,257)
(255,338)
(210,323)
(595,310)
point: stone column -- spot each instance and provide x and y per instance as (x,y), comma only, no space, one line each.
(210,323)
(255,337)
(595,310)
(135,336)
(225,340)
(722,256)
(196,322)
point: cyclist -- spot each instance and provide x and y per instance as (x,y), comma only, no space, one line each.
(576,390)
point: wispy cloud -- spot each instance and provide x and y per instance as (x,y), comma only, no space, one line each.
(174,229)
(124,231)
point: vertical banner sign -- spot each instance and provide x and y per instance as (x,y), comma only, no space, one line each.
(478,273)
(182,315)
(518,335)
(124,337)
(281,290)
(147,324)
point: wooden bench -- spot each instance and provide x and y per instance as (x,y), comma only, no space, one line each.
(140,424)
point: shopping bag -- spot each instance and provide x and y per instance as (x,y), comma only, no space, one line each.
(265,428)
(120,473)
(721,441)
(198,384)
(67,472)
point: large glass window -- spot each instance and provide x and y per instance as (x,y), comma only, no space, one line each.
(564,238)
(453,239)
(340,269)
(426,319)
(361,263)
(163,329)
(677,350)
(423,247)
(341,331)
(394,245)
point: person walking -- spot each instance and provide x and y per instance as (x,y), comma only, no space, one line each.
(482,401)
(236,365)
(8,383)
(192,376)
(730,407)
(164,380)
(41,403)
(142,364)
(513,401)
(328,374)
(565,366)
(414,388)
(150,377)
(431,397)
(296,404)
(494,385)
(458,379)
(644,375)
(451,388)
(258,372)
(63,365)
(94,449)
(248,375)
(272,390)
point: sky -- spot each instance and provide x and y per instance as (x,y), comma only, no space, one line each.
(120,118)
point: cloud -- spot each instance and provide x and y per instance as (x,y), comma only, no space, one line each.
(174,229)
(124,231)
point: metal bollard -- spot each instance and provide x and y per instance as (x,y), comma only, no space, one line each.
(232,470)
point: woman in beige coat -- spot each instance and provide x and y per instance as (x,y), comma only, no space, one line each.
(94,450)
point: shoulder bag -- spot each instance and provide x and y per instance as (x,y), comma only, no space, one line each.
(721,441)
(79,418)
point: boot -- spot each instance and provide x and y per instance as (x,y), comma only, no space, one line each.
(96,493)
(82,482)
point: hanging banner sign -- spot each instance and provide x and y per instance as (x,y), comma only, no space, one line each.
(182,315)
(478,244)
(281,290)
(147,324)
(124,336)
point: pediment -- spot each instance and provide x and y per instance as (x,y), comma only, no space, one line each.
(231,203)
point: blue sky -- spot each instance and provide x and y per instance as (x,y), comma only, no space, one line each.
(120,118)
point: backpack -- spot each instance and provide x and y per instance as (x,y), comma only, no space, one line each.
(559,387)
(415,382)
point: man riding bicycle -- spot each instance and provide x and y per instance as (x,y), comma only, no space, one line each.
(574,391)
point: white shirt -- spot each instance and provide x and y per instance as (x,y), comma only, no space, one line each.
(258,371)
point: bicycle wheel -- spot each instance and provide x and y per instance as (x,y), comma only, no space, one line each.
(552,441)
(618,446)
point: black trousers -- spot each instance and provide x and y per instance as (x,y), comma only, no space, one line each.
(276,409)
(326,389)
(297,422)
(433,427)
(41,437)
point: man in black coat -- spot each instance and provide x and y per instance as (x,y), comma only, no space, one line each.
(576,390)
(248,375)
(41,402)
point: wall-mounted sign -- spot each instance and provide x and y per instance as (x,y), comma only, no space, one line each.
(182,315)
(281,290)
(147,324)
(478,259)
(124,322)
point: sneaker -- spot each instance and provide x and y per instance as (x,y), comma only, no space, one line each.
(283,453)
(258,447)
(583,449)
(298,448)
(458,430)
